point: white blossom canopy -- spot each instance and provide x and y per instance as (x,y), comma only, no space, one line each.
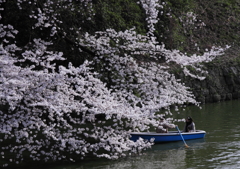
(57,112)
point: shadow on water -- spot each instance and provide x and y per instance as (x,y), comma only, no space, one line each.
(163,155)
(177,145)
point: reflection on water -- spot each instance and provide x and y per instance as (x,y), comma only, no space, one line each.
(161,156)
(219,149)
(154,159)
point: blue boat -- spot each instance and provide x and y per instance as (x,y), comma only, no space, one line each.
(167,137)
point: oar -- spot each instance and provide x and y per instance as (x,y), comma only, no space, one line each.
(182,137)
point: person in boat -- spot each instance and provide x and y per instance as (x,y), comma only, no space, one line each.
(163,126)
(190,125)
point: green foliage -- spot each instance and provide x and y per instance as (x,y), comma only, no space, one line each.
(182,5)
(119,15)
(221,19)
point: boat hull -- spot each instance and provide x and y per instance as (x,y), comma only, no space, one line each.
(167,137)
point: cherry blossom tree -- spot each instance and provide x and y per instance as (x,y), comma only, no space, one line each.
(55,111)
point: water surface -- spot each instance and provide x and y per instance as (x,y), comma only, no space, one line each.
(219,149)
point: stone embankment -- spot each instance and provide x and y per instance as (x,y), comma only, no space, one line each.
(222,83)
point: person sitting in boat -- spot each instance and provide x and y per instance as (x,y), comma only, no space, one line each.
(190,125)
(163,126)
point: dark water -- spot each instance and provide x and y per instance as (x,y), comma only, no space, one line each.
(219,149)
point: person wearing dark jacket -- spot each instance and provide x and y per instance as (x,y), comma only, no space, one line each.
(190,125)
